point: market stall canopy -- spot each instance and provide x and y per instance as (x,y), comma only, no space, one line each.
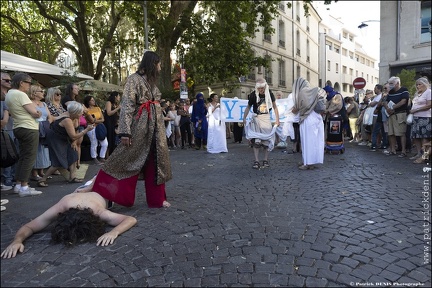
(95,85)
(42,72)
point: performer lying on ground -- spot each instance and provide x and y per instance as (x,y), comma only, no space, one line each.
(78,218)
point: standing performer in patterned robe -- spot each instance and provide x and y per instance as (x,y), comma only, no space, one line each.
(143,146)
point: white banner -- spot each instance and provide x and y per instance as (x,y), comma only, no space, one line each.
(232,110)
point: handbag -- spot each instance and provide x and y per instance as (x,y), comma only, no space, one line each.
(9,151)
(410,119)
(44,126)
(101,132)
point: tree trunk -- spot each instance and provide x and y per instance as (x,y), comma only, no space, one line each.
(164,52)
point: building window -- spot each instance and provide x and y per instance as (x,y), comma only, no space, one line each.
(307,51)
(337,49)
(425,29)
(351,55)
(328,65)
(351,71)
(298,42)
(308,76)
(344,69)
(298,6)
(251,75)
(267,37)
(282,73)
(268,74)
(344,52)
(344,87)
(337,67)
(298,71)
(281,33)
(356,73)
(307,24)
(345,35)
(328,45)
(282,6)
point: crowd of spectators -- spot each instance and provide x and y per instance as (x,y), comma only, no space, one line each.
(40,119)
(383,122)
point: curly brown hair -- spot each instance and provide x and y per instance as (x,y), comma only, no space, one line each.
(76,226)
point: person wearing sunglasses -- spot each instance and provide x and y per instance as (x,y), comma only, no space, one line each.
(6,125)
(26,131)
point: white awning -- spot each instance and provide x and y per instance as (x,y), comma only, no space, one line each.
(42,72)
(95,85)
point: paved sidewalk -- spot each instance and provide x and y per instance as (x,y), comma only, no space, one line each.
(358,220)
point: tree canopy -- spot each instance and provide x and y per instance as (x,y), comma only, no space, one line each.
(212,36)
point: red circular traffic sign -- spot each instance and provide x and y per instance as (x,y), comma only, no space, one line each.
(359,83)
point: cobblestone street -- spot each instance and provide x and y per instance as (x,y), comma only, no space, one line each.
(360,219)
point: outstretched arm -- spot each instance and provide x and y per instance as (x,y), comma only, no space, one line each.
(29,229)
(121,222)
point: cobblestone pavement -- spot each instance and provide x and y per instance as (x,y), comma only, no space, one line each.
(358,220)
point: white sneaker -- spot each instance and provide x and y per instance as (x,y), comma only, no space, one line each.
(29,192)
(362,144)
(4,201)
(5,188)
(17,189)
(3,208)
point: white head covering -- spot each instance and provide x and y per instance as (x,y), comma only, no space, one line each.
(260,83)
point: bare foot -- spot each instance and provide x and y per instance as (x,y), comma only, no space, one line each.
(87,187)
(166,204)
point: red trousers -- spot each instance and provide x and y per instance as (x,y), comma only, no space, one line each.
(122,191)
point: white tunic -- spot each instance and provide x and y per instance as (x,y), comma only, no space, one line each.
(312,139)
(216,137)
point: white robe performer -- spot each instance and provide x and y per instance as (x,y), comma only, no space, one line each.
(216,136)
(260,127)
(311,123)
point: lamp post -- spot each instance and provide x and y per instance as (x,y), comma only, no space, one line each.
(119,59)
(145,25)
(109,49)
(363,25)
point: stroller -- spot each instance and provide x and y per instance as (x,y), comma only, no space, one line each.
(334,143)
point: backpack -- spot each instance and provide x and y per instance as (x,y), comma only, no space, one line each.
(9,152)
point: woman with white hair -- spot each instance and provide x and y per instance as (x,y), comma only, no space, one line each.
(311,123)
(259,129)
(421,110)
(61,140)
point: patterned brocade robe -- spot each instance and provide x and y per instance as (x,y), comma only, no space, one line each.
(147,131)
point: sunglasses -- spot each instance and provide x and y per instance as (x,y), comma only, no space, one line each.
(7,80)
(28,82)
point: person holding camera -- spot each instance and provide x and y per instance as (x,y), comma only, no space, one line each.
(62,143)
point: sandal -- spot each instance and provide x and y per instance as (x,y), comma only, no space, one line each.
(389,153)
(265,164)
(419,161)
(402,155)
(36,178)
(256,165)
(303,167)
(42,183)
(76,180)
